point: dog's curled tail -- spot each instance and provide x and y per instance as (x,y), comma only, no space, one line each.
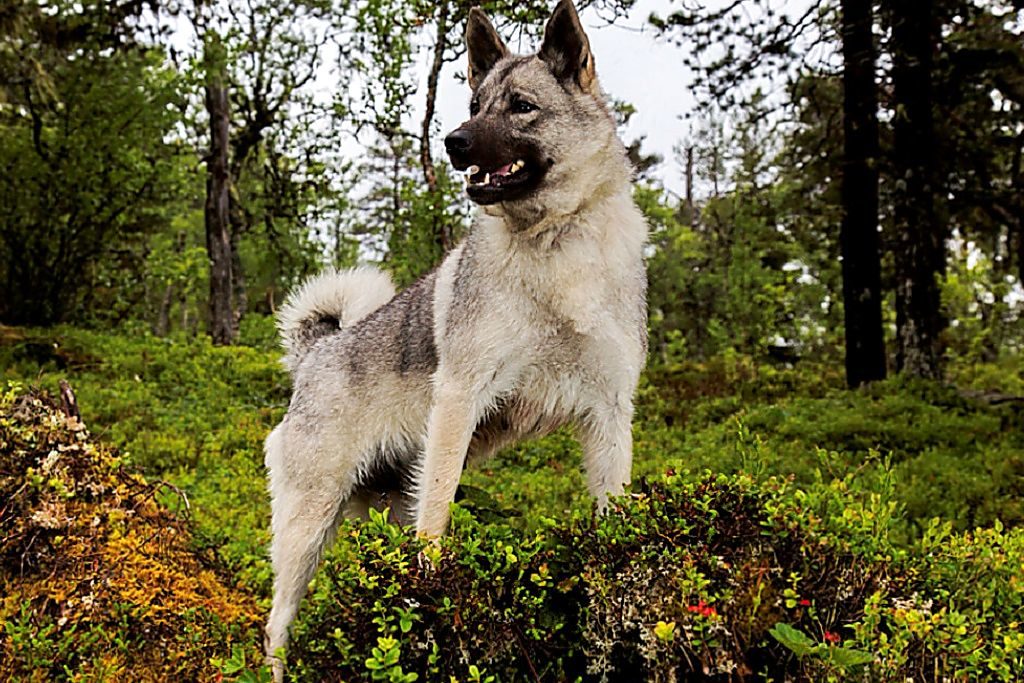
(327,302)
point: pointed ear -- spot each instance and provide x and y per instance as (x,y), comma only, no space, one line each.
(483,45)
(566,49)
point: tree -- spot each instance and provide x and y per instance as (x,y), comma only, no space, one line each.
(978,104)
(919,255)
(737,47)
(442,231)
(218,195)
(949,153)
(277,47)
(858,236)
(257,60)
(87,163)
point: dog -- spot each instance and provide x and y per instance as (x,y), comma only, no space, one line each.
(535,320)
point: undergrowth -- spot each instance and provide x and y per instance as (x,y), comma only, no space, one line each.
(867,535)
(98,580)
(705,577)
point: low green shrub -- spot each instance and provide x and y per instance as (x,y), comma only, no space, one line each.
(936,440)
(260,332)
(674,394)
(712,578)
(812,556)
(1005,375)
(164,401)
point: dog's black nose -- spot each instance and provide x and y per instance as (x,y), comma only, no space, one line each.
(458,141)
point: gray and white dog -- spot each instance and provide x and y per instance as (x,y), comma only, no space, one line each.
(537,319)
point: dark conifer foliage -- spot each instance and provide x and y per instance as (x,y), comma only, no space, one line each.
(923,209)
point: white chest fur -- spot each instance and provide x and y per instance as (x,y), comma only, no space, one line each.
(561,309)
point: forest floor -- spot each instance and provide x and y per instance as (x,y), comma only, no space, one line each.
(780,527)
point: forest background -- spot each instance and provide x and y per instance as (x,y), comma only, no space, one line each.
(835,321)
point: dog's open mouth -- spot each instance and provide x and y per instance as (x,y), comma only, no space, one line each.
(512,172)
(505,182)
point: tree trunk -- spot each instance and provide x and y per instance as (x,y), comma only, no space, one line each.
(240,219)
(1020,249)
(243,145)
(920,235)
(858,236)
(217,214)
(163,320)
(1017,179)
(239,285)
(689,179)
(394,143)
(442,228)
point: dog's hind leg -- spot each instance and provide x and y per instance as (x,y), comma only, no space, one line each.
(305,511)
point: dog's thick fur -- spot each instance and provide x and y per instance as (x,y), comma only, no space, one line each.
(537,319)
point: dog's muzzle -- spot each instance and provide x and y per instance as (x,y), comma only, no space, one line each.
(496,170)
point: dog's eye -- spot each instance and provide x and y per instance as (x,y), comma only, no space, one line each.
(521,106)
(474,107)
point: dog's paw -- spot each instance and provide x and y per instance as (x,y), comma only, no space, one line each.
(276,665)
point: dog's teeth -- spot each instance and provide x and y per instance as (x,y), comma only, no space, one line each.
(487,179)
(472,170)
(514,168)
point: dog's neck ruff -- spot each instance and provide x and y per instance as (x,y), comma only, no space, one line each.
(526,224)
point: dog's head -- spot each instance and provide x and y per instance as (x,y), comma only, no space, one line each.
(535,121)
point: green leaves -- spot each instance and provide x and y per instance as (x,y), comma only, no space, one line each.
(239,670)
(665,631)
(846,657)
(383,663)
(87,179)
(803,646)
(794,639)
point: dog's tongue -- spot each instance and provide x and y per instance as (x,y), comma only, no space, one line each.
(504,170)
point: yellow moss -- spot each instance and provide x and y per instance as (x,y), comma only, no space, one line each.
(85,549)
(163,589)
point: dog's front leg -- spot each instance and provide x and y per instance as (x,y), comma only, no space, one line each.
(452,419)
(606,436)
